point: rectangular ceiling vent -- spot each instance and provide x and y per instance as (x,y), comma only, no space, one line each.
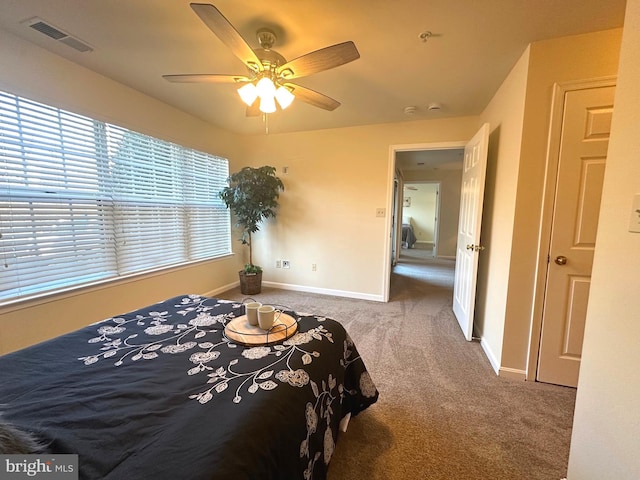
(56,34)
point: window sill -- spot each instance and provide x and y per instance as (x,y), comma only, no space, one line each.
(68,292)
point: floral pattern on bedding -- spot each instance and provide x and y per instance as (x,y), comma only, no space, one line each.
(194,330)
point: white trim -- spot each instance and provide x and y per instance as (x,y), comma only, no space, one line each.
(506,372)
(490,355)
(548,194)
(388,228)
(325,291)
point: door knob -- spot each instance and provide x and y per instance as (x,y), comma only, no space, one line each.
(561,260)
(475,248)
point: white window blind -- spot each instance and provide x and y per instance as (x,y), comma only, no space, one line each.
(83,200)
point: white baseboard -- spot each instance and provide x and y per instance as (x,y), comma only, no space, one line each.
(301,288)
(505,372)
(447,257)
(325,291)
(490,355)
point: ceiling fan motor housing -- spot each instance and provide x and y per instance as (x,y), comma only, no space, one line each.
(270,59)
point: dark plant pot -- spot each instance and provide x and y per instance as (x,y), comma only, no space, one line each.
(250,283)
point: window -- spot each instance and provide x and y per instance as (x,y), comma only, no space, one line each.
(83,200)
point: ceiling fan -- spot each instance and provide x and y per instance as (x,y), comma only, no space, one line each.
(269,73)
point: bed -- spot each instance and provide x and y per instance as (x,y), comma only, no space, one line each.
(162,393)
(408,235)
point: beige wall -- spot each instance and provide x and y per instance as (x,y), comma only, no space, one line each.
(337,178)
(450,181)
(34,73)
(505,114)
(560,60)
(422,210)
(606,431)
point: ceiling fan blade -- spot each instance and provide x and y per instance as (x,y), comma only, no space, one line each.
(320,60)
(227,33)
(205,78)
(313,98)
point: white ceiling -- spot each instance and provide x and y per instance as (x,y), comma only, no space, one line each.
(450,159)
(474,45)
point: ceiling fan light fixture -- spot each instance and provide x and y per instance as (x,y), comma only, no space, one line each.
(248,93)
(266,88)
(284,96)
(267,104)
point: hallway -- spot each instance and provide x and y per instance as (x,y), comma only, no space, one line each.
(417,271)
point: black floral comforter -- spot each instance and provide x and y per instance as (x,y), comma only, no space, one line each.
(162,393)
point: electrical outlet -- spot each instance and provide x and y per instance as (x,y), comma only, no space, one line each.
(286,264)
(314,267)
(278,263)
(381,212)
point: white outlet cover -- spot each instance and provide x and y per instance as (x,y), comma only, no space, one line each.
(634,219)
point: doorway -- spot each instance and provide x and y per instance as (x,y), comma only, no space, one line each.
(439,163)
(420,212)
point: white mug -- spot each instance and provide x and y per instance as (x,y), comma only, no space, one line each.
(251,310)
(267,315)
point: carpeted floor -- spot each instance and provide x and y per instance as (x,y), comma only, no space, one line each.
(443,414)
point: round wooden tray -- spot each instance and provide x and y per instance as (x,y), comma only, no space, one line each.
(241,331)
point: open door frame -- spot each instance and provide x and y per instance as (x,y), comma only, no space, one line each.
(390,227)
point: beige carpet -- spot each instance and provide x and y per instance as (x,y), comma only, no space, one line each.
(443,414)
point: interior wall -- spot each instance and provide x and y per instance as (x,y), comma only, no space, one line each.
(505,114)
(450,182)
(34,73)
(336,180)
(606,430)
(422,210)
(559,60)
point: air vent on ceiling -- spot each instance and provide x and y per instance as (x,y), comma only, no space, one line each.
(56,34)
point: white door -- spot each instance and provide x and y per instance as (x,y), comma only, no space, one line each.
(469,223)
(583,152)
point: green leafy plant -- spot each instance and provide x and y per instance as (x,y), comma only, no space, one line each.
(252,195)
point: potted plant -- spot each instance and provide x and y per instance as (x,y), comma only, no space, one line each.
(252,195)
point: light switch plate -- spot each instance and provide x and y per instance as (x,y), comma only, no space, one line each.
(634,219)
